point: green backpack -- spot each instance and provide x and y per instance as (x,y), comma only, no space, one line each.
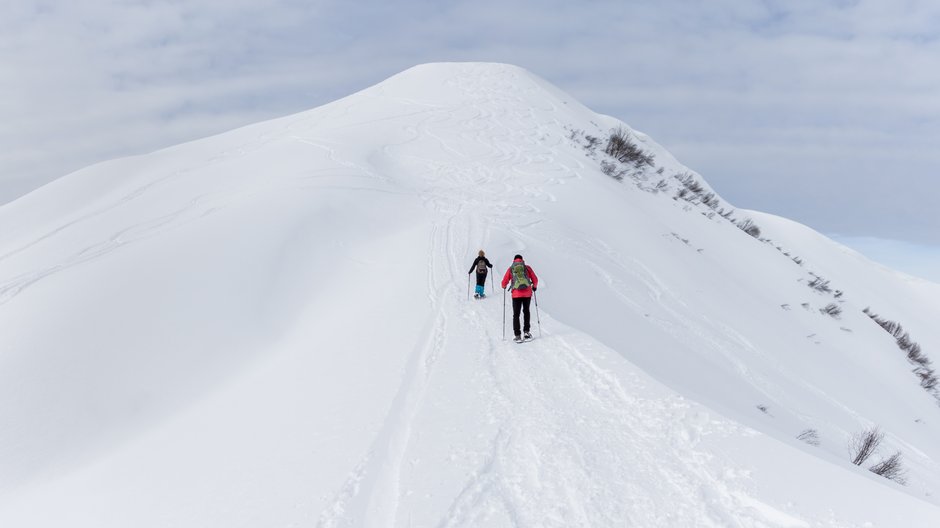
(520,279)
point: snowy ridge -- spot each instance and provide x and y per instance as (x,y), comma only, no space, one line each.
(270,328)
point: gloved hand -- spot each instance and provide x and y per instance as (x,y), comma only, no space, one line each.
(534,288)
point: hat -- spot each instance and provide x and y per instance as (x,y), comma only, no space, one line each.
(517,257)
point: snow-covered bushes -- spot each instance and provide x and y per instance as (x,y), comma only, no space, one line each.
(693,190)
(748,226)
(891,468)
(821,285)
(810,436)
(622,148)
(613,170)
(922,364)
(864,444)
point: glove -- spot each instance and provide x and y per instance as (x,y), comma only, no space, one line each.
(469,272)
(534,288)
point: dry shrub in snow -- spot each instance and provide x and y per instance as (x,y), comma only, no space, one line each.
(810,436)
(821,285)
(922,365)
(622,148)
(748,226)
(891,468)
(864,444)
(612,170)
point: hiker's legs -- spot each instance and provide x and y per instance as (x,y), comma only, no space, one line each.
(481,282)
(525,313)
(516,308)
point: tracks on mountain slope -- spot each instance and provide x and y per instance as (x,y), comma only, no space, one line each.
(572,442)
(370,493)
(196,206)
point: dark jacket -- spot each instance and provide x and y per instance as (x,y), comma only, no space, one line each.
(477,261)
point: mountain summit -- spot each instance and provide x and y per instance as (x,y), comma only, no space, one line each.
(270,327)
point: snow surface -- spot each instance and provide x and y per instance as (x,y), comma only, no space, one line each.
(270,328)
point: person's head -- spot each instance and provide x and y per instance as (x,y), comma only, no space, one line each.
(517,257)
(481,253)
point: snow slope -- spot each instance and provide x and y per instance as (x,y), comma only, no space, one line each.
(270,328)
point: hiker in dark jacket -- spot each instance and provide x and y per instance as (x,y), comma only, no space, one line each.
(480,264)
(523,282)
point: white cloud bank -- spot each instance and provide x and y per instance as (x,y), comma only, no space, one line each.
(914,259)
(825,112)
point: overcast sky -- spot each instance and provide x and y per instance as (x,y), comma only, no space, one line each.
(826,112)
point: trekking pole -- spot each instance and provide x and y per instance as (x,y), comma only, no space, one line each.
(504,315)
(537,320)
(492,284)
(468,286)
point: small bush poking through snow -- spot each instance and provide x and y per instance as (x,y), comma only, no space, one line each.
(863,445)
(922,364)
(748,226)
(623,149)
(612,170)
(891,468)
(832,310)
(710,200)
(689,182)
(810,436)
(591,142)
(821,285)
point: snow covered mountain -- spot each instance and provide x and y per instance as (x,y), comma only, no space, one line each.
(270,328)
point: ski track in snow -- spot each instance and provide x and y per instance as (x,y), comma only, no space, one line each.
(198,207)
(548,396)
(561,431)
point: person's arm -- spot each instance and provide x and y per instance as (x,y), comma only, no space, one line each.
(506,278)
(534,277)
(488,263)
(473,265)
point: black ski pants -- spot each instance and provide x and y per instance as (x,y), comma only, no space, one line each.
(520,304)
(481,278)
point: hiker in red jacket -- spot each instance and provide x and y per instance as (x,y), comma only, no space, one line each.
(523,282)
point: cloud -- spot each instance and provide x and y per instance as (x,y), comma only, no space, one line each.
(914,259)
(825,112)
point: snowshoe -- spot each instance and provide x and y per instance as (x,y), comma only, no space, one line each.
(517,339)
(527,336)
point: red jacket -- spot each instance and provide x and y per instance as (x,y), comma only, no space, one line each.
(532,277)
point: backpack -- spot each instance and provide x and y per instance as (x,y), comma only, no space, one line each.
(520,278)
(481,265)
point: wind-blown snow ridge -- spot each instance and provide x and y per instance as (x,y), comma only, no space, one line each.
(269,328)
